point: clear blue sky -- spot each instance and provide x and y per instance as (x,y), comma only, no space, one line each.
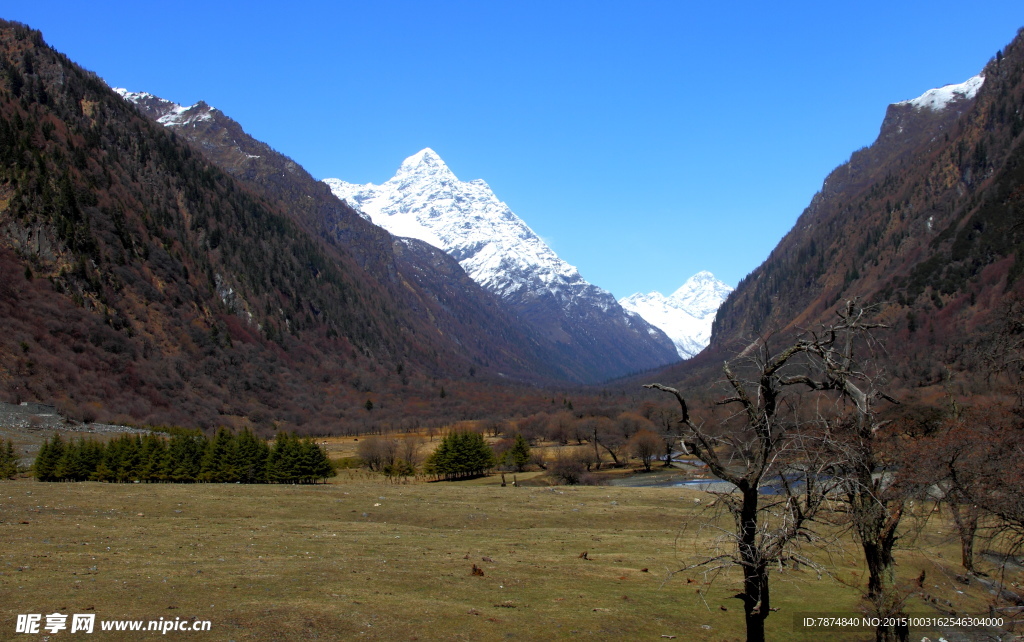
(644,140)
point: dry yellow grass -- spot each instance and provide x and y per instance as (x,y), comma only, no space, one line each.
(364,559)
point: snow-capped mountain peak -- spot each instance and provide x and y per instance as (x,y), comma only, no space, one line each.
(425,162)
(702,294)
(687,314)
(498,250)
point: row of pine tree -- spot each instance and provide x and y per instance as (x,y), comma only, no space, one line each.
(186,456)
(460,455)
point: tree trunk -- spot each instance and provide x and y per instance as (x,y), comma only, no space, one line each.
(876,527)
(882,591)
(755,594)
(610,452)
(966,519)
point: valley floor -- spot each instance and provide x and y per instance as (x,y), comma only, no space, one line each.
(361,558)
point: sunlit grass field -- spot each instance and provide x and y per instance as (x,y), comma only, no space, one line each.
(361,558)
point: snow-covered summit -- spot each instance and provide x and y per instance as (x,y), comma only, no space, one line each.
(425,162)
(687,314)
(702,294)
(498,250)
(425,200)
(937,99)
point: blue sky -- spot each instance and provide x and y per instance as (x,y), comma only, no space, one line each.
(645,141)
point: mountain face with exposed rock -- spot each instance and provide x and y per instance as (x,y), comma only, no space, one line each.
(685,315)
(923,225)
(570,329)
(158,265)
(427,284)
(498,250)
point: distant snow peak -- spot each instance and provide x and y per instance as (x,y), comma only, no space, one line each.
(687,314)
(937,99)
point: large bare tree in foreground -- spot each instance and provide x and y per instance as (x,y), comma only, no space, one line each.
(779,437)
(754,447)
(868,451)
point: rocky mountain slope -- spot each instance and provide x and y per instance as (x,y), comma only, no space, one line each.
(425,200)
(924,224)
(147,275)
(685,315)
(426,285)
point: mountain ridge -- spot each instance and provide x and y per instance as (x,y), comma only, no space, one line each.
(190,276)
(458,308)
(425,200)
(922,225)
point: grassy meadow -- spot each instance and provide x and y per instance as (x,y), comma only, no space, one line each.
(361,558)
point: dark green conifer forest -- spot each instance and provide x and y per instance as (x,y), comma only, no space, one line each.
(460,454)
(186,456)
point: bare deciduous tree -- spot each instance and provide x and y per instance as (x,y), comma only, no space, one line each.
(604,433)
(378,452)
(409,449)
(868,448)
(809,460)
(645,446)
(755,447)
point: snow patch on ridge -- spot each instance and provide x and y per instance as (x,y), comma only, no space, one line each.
(134,96)
(171,114)
(938,99)
(180,115)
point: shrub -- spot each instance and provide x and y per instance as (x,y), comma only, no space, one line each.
(378,452)
(570,469)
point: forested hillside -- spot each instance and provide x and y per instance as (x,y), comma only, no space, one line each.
(427,286)
(925,224)
(140,282)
